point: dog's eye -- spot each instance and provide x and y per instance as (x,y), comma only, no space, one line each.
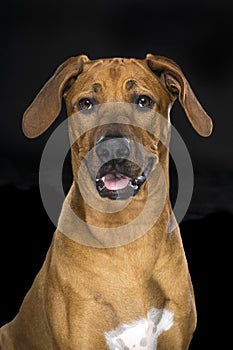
(144,101)
(85,104)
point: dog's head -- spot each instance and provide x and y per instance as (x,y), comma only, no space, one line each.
(117,98)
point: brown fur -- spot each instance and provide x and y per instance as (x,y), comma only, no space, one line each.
(82,291)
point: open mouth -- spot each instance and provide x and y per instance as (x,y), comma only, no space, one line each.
(114,184)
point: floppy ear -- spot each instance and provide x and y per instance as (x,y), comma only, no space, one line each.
(47,104)
(177,84)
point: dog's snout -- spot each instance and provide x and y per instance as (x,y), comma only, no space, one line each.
(116,147)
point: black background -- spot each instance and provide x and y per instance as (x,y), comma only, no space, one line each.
(36,37)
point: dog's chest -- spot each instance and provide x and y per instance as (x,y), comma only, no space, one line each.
(142,334)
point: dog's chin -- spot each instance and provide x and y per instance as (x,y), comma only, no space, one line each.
(116,185)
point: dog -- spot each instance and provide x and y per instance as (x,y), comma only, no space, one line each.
(113,278)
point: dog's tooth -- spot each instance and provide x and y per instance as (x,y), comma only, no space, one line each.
(134,186)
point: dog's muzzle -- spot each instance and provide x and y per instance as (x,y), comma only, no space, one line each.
(116,178)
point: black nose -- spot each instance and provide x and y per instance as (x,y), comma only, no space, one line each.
(112,147)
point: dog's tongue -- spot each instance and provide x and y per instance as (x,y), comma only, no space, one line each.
(116,181)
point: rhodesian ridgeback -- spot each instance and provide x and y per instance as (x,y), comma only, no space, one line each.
(115,276)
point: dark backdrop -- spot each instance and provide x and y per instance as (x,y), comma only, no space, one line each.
(36,37)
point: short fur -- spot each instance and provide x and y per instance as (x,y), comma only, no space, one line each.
(82,292)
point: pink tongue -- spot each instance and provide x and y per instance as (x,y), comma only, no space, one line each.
(116,181)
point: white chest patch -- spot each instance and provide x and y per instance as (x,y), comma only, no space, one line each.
(142,334)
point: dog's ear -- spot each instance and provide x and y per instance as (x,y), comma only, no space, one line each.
(47,104)
(177,85)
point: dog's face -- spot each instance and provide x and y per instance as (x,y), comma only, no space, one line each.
(116,94)
(118,99)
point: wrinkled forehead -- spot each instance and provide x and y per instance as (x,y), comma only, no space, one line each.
(116,67)
(116,73)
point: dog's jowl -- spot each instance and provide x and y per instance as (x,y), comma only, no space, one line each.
(114,276)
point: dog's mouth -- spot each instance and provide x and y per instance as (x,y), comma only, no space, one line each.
(114,183)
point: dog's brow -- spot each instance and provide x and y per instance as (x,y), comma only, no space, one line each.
(130,84)
(96,87)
